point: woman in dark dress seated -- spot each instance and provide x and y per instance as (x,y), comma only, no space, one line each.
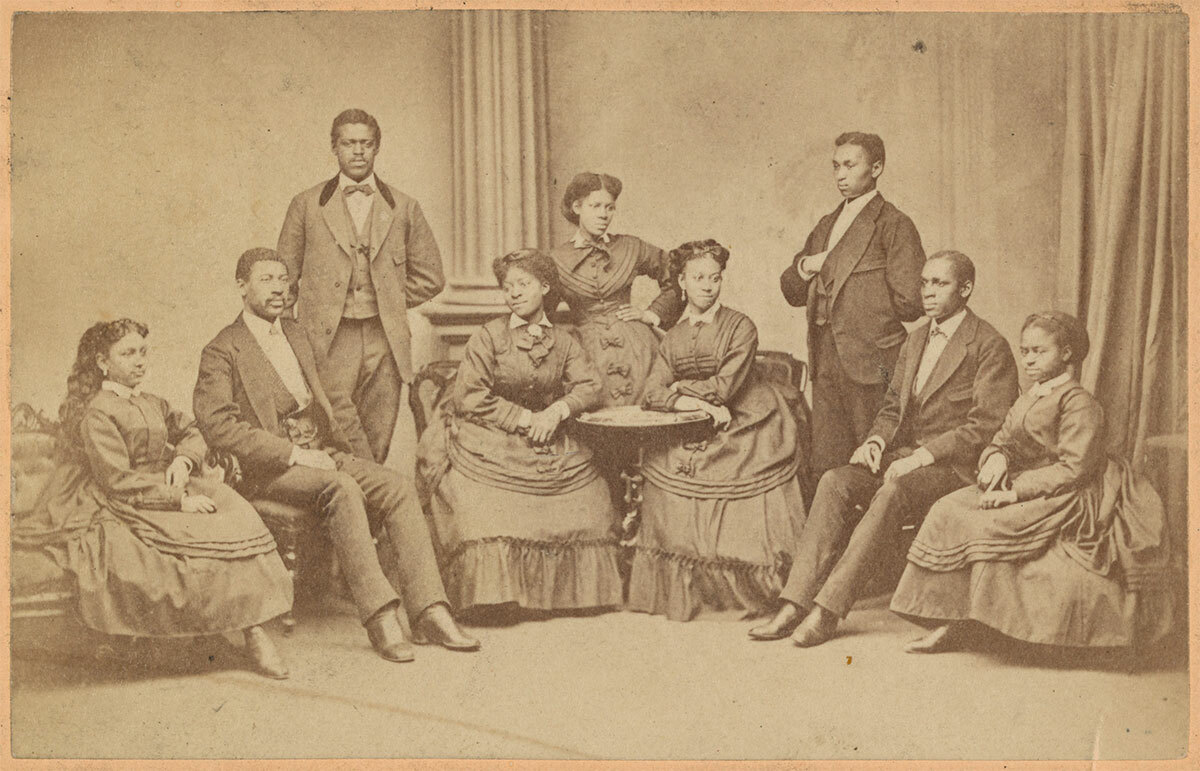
(155,550)
(720,515)
(1059,544)
(520,512)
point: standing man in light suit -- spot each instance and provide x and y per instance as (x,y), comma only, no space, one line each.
(363,254)
(859,274)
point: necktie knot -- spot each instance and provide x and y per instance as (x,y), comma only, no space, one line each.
(534,330)
(936,331)
(364,188)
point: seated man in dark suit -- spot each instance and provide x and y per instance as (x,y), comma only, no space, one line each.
(260,397)
(955,380)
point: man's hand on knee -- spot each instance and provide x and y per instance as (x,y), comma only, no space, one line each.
(902,466)
(313,459)
(868,455)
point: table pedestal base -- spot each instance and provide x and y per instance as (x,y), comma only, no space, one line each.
(633,500)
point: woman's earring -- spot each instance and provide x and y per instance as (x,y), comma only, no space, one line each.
(682,294)
(104,371)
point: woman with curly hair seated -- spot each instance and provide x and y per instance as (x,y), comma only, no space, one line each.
(155,550)
(520,512)
(721,515)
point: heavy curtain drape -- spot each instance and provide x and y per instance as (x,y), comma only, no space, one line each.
(1124,218)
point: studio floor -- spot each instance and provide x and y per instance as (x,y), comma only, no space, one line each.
(618,685)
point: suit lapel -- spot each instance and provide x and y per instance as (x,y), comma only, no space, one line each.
(952,356)
(254,368)
(308,365)
(382,217)
(918,337)
(825,226)
(380,224)
(850,249)
(338,221)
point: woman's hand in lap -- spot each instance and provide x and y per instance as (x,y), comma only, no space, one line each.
(543,424)
(720,414)
(997,498)
(179,471)
(198,504)
(993,471)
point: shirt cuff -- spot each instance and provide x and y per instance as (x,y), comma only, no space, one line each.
(657,318)
(525,420)
(877,440)
(807,269)
(988,452)
(923,456)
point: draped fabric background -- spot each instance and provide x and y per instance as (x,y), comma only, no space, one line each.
(720,125)
(1123,233)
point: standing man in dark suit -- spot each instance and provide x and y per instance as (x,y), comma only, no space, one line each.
(363,254)
(955,380)
(859,274)
(261,396)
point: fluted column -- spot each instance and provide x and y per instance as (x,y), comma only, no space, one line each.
(501,178)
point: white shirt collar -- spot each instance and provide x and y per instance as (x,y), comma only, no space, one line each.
(852,208)
(950,325)
(701,318)
(516,322)
(1045,387)
(259,326)
(343,180)
(124,391)
(583,239)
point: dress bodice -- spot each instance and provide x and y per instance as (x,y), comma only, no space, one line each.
(597,277)
(518,379)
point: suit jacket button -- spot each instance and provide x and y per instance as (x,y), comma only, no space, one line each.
(337,284)
(328,330)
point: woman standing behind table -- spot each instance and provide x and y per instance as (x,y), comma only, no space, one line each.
(1059,544)
(596,271)
(155,551)
(520,512)
(720,516)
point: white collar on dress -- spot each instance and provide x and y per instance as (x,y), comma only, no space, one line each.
(582,239)
(516,322)
(1038,390)
(120,389)
(701,318)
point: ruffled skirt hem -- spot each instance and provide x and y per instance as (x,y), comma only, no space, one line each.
(1051,600)
(540,575)
(681,587)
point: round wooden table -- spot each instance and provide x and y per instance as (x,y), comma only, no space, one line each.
(632,427)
